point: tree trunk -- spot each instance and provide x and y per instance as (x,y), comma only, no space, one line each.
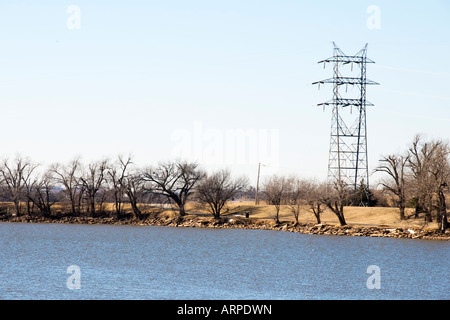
(341,219)
(92,207)
(136,211)
(277,215)
(402,210)
(339,212)
(444,223)
(442,212)
(417,209)
(318,219)
(29,209)
(317,213)
(118,208)
(72,203)
(182,210)
(296,221)
(428,216)
(429,210)
(17,206)
(118,204)
(79,203)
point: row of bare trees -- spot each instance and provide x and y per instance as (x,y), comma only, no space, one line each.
(419,177)
(297,193)
(98,182)
(85,189)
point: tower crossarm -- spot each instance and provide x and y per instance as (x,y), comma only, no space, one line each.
(347,80)
(344,103)
(347,59)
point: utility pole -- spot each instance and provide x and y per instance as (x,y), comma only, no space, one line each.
(257,184)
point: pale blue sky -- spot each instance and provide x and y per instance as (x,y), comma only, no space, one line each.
(138,75)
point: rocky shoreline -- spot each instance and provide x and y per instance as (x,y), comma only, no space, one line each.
(241,223)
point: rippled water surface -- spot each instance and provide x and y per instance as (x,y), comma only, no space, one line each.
(141,262)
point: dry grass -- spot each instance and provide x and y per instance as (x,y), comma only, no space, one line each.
(361,216)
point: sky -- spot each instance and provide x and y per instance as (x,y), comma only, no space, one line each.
(225,83)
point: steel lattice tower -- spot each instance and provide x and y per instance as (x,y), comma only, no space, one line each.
(347,162)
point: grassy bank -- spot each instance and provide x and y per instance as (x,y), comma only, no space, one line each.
(361,216)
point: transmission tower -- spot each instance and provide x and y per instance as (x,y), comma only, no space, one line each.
(347,161)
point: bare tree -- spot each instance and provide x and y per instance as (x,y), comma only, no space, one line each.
(175,180)
(429,164)
(217,189)
(134,187)
(92,180)
(314,192)
(275,189)
(443,225)
(336,198)
(15,175)
(41,193)
(28,189)
(102,198)
(295,196)
(439,170)
(117,172)
(68,177)
(394,166)
(420,157)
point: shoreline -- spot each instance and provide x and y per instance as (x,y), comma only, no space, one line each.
(248,223)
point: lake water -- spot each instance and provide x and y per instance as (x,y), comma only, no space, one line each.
(141,262)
